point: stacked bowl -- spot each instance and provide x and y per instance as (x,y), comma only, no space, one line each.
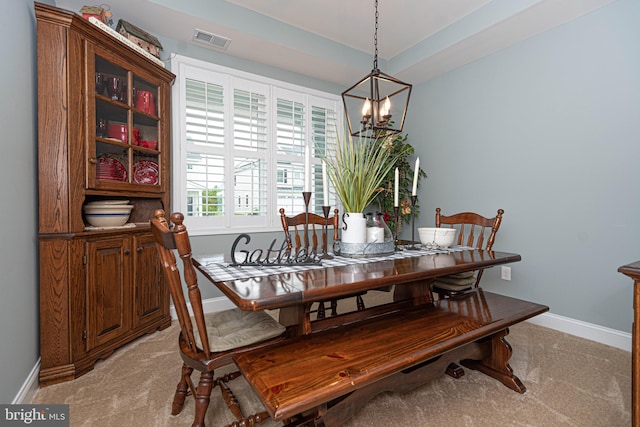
(107,213)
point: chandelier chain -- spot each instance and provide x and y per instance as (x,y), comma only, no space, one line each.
(375,41)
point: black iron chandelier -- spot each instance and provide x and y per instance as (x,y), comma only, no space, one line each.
(378,103)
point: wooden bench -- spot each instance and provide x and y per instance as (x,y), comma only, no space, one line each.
(324,377)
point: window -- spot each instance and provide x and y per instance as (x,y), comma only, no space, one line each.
(239,147)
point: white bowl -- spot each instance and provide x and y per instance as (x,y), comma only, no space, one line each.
(108,209)
(107,220)
(438,237)
(107,202)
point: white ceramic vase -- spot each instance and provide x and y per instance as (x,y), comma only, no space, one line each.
(354,227)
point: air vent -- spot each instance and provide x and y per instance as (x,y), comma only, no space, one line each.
(211,40)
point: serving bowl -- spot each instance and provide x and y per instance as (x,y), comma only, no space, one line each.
(107,215)
(437,237)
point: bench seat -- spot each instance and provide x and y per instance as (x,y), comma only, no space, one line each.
(304,374)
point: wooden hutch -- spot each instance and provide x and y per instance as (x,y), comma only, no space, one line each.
(100,288)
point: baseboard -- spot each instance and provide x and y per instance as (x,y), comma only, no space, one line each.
(208,306)
(29,388)
(590,331)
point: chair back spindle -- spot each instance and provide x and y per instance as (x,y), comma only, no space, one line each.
(298,231)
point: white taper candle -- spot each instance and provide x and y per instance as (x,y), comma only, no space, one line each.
(414,192)
(395,189)
(307,169)
(325,192)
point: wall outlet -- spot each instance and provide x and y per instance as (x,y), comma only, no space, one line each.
(505,273)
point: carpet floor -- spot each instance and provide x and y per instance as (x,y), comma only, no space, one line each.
(570,382)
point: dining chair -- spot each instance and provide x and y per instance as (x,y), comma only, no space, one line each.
(206,342)
(474,230)
(302,228)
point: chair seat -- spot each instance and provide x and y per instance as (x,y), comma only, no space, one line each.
(236,328)
(456,282)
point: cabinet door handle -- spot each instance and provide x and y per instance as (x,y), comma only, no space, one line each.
(140,249)
(127,251)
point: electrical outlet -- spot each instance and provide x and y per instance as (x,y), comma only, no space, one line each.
(505,273)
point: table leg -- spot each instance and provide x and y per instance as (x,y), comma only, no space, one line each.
(298,316)
(419,292)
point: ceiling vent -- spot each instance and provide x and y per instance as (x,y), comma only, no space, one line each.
(211,40)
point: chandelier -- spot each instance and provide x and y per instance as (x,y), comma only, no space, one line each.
(378,103)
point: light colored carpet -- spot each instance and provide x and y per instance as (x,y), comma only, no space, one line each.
(570,382)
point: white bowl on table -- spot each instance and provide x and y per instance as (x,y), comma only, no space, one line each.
(436,236)
(109,215)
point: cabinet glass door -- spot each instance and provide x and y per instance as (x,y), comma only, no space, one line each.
(125,149)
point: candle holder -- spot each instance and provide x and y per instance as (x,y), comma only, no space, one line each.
(325,211)
(306,195)
(396,214)
(413,246)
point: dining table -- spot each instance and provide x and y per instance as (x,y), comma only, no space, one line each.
(292,289)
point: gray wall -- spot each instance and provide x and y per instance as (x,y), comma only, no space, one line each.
(543,130)
(19,331)
(548,131)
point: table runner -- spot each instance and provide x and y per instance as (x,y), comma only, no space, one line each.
(221,271)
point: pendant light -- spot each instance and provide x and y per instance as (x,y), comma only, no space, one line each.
(378,103)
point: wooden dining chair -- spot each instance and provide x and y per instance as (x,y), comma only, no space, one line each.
(295,229)
(210,341)
(474,230)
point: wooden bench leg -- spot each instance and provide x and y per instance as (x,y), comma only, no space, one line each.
(454,370)
(497,364)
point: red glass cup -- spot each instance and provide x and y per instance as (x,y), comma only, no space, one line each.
(146,101)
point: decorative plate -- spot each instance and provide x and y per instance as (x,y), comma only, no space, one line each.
(119,173)
(145,172)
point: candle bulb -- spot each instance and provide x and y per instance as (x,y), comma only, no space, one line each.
(307,169)
(324,184)
(415,178)
(395,189)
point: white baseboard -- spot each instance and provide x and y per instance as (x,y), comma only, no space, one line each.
(29,388)
(208,306)
(590,331)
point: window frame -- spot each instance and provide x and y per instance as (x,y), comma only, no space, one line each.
(187,68)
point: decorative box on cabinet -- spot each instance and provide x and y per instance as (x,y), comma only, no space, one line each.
(99,288)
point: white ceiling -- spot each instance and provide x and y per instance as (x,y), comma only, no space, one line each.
(333,39)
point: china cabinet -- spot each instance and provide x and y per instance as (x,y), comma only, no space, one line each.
(103,136)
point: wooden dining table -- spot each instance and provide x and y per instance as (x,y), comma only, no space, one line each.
(293,289)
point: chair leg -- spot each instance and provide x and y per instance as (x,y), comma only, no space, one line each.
(251,420)
(227,393)
(232,403)
(182,390)
(203,397)
(360,303)
(321,310)
(334,307)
